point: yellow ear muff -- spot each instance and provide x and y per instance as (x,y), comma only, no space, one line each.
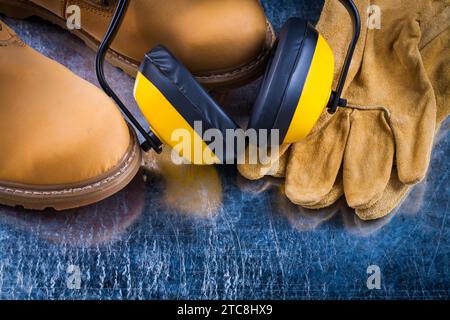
(315,94)
(169,125)
(177,108)
(297,84)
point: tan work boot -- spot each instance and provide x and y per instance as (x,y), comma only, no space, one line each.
(224,43)
(63,142)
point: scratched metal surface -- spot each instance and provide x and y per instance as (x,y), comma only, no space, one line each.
(205,233)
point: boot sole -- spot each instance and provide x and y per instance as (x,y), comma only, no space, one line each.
(221,79)
(71,196)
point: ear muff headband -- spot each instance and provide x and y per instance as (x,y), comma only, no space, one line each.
(336,100)
(151,140)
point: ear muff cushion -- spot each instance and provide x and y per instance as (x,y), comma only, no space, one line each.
(179,87)
(285,77)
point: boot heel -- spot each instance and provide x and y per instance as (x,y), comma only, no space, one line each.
(15,9)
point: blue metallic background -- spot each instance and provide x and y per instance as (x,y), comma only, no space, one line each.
(208,234)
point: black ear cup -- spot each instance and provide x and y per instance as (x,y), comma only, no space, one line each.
(285,77)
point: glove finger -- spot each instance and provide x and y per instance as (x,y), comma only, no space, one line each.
(437,65)
(368,158)
(276,165)
(315,162)
(412,106)
(278,170)
(331,198)
(393,195)
(414,145)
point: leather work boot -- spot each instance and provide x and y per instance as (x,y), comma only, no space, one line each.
(63,142)
(224,43)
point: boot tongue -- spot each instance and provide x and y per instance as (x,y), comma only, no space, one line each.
(5,33)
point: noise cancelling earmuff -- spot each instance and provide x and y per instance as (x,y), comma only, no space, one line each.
(296,88)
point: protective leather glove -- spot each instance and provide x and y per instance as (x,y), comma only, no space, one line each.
(392,97)
(434,43)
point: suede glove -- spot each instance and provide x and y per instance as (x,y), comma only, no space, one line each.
(398,92)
